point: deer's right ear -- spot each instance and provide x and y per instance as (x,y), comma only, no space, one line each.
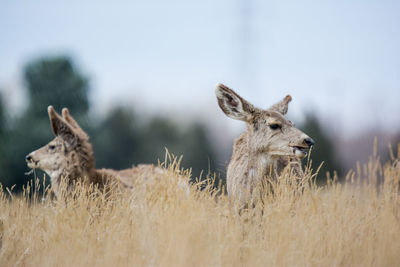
(61,128)
(232,104)
(71,121)
(67,116)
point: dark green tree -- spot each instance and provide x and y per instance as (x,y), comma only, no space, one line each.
(323,150)
(58,82)
(49,81)
(2,134)
(197,150)
(191,141)
(2,116)
(121,141)
(158,134)
(116,140)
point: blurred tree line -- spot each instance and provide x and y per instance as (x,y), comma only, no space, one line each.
(119,140)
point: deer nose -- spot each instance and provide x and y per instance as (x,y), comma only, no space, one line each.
(28,158)
(309,142)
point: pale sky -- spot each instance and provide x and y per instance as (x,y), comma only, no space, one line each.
(338,58)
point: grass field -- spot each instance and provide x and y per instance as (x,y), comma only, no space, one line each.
(356,223)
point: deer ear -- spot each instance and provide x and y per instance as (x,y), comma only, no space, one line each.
(71,121)
(61,128)
(282,106)
(232,104)
(67,116)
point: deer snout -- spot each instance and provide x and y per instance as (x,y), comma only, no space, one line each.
(28,158)
(309,141)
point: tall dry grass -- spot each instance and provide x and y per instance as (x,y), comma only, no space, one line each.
(356,223)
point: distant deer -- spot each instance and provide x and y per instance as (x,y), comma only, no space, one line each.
(270,143)
(70,155)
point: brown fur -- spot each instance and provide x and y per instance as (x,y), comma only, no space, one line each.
(262,150)
(70,155)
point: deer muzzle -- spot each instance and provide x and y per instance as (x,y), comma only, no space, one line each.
(30,161)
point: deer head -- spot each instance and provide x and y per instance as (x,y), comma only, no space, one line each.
(268,131)
(69,153)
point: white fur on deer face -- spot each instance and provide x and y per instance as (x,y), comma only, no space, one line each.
(268,131)
(50,158)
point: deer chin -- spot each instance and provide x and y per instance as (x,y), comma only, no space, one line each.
(300,151)
(32,164)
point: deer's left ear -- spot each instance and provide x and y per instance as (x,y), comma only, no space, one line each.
(67,117)
(282,106)
(61,128)
(72,122)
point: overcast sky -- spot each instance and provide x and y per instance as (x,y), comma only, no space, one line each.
(340,59)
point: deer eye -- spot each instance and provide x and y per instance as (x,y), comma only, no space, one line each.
(275,126)
(52,147)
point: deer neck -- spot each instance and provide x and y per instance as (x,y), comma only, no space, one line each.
(260,165)
(70,174)
(55,177)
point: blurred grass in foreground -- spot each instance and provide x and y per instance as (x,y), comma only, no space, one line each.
(355,223)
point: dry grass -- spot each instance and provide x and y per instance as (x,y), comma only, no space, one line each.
(352,224)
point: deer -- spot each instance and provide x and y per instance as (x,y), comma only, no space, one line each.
(270,144)
(70,156)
